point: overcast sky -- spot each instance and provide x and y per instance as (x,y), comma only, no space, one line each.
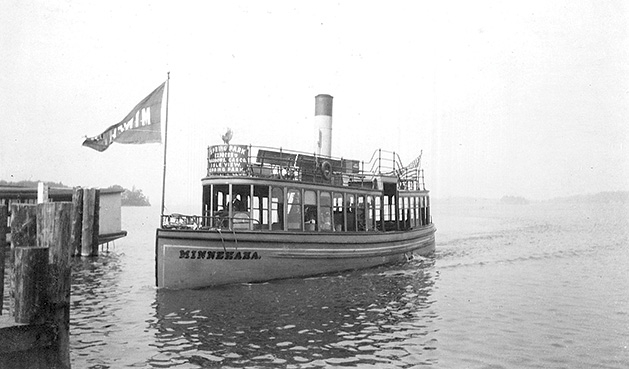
(504,98)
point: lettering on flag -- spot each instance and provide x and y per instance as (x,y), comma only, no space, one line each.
(141,125)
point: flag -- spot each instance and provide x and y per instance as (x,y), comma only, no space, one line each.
(141,125)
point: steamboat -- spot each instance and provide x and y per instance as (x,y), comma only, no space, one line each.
(269,213)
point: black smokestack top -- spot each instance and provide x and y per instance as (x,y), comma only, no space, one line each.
(323,105)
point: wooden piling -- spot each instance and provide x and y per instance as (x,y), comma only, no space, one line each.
(95,225)
(39,337)
(89,206)
(3,249)
(23,234)
(54,231)
(29,273)
(77,221)
(23,225)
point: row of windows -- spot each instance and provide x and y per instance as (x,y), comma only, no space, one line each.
(285,208)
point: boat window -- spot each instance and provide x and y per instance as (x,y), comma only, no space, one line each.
(387,208)
(422,211)
(391,215)
(378,209)
(428,210)
(350,204)
(417,212)
(293,210)
(360,214)
(277,208)
(325,211)
(207,211)
(241,195)
(310,210)
(369,218)
(219,204)
(260,207)
(401,210)
(407,213)
(412,206)
(241,203)
(338,212)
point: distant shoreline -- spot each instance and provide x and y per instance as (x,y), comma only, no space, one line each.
(604,197)
(133,197)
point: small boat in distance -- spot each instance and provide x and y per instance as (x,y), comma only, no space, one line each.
(270,213)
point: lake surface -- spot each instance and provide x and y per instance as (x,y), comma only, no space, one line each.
(543,285)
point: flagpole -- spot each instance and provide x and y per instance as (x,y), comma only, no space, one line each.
(165,145)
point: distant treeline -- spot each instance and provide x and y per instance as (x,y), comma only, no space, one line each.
(132,197)
(31,184)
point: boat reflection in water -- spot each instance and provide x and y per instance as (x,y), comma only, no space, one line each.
(378,316)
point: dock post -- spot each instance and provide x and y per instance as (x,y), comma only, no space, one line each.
(23,234)
(40,287)
(95,220)
(29,277)
(77,221)
(54,232)
(3,249)
(90,213)
(23,225)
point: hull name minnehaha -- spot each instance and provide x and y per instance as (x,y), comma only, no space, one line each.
(218,255)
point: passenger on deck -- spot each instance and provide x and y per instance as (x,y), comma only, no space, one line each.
(238,205)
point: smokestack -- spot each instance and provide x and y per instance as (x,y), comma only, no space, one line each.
(323,124)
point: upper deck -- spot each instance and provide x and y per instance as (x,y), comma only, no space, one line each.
(384,167)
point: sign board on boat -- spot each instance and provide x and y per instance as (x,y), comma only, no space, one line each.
(227,159)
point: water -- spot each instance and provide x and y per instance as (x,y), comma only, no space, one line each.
(543,285)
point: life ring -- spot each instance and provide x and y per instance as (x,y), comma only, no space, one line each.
(326,170)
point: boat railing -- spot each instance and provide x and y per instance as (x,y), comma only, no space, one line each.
(279,163)
(271,162)
(240,220)
(389,163)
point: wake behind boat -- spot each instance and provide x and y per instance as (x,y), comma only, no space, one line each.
(270,213)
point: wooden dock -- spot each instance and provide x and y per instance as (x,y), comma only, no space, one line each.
(36,334)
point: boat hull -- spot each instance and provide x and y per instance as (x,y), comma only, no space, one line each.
(201,258)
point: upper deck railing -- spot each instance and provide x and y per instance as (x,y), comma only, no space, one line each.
(279,163)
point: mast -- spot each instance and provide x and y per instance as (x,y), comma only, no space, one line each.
(165,145)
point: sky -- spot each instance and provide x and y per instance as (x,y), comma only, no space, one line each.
(526,98)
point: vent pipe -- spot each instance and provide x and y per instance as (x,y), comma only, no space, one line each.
(323,124)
